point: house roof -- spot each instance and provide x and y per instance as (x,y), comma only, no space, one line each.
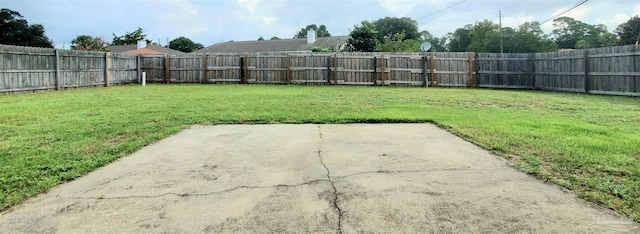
(298,44)
(142,51)
(158,49)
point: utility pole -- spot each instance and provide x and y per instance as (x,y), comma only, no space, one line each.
(501,38)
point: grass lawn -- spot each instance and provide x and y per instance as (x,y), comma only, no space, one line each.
(590,144)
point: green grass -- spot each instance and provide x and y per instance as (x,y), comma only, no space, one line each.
(590,144)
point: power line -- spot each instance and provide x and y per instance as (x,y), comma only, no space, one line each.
(438,11)
(565,11)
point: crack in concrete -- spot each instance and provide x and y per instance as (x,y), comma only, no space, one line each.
(335,191)
(198,194)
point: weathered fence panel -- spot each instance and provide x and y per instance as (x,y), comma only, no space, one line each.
(29,69)
(308,69)
(154,67)
(185,69)
(613,70)
(453,69)
(513,71)
(82,68)
(223,68)
(124,68)
(560,71)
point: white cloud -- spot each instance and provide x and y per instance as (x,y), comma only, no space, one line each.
(613,21)
(398,7)
(250,5)
(181,17)
(515,22)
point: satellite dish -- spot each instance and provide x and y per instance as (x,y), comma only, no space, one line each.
(425,46)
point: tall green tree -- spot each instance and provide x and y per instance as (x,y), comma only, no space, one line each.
(15,30)
(184,44)
(460,39)
(569,31)
(483,36)
(130,38)
(529,38)
(274,38)
(392,27)
(321,31)
(398,44)
(363,38)
(629,31)
(86,42)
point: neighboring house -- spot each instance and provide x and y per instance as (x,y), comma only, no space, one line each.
(282,45)
(142,48)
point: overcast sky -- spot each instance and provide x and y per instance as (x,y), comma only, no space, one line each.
(212,21)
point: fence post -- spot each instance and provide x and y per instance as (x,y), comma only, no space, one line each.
(472,81)
(636,84)
(241,69)
(586,71)
(205,69)
(107,67)
(335,69)
(167,69)
(375,70)
(432,69)
(476,67)
(329,70)
(424,70)
(56,64)
(533,71)
(139,68)
(382,70)
(289,69)
(245,67)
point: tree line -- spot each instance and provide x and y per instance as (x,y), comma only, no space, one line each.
(388,34)
(401,34)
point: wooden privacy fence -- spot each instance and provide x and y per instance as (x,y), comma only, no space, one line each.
(611,70)
(28,68)
(447,69)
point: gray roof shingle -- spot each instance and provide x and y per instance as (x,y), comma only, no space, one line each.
(284,45)
(125,48)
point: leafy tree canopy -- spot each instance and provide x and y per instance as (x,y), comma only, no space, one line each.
(398,44)
(569,31)
(530,39)
(629,31)
(15,30)
(460,39)
(86,42)
(363,38)
(321,31)
(274,38)
(483,35)
(129,38)
(392,27)
(184,44)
